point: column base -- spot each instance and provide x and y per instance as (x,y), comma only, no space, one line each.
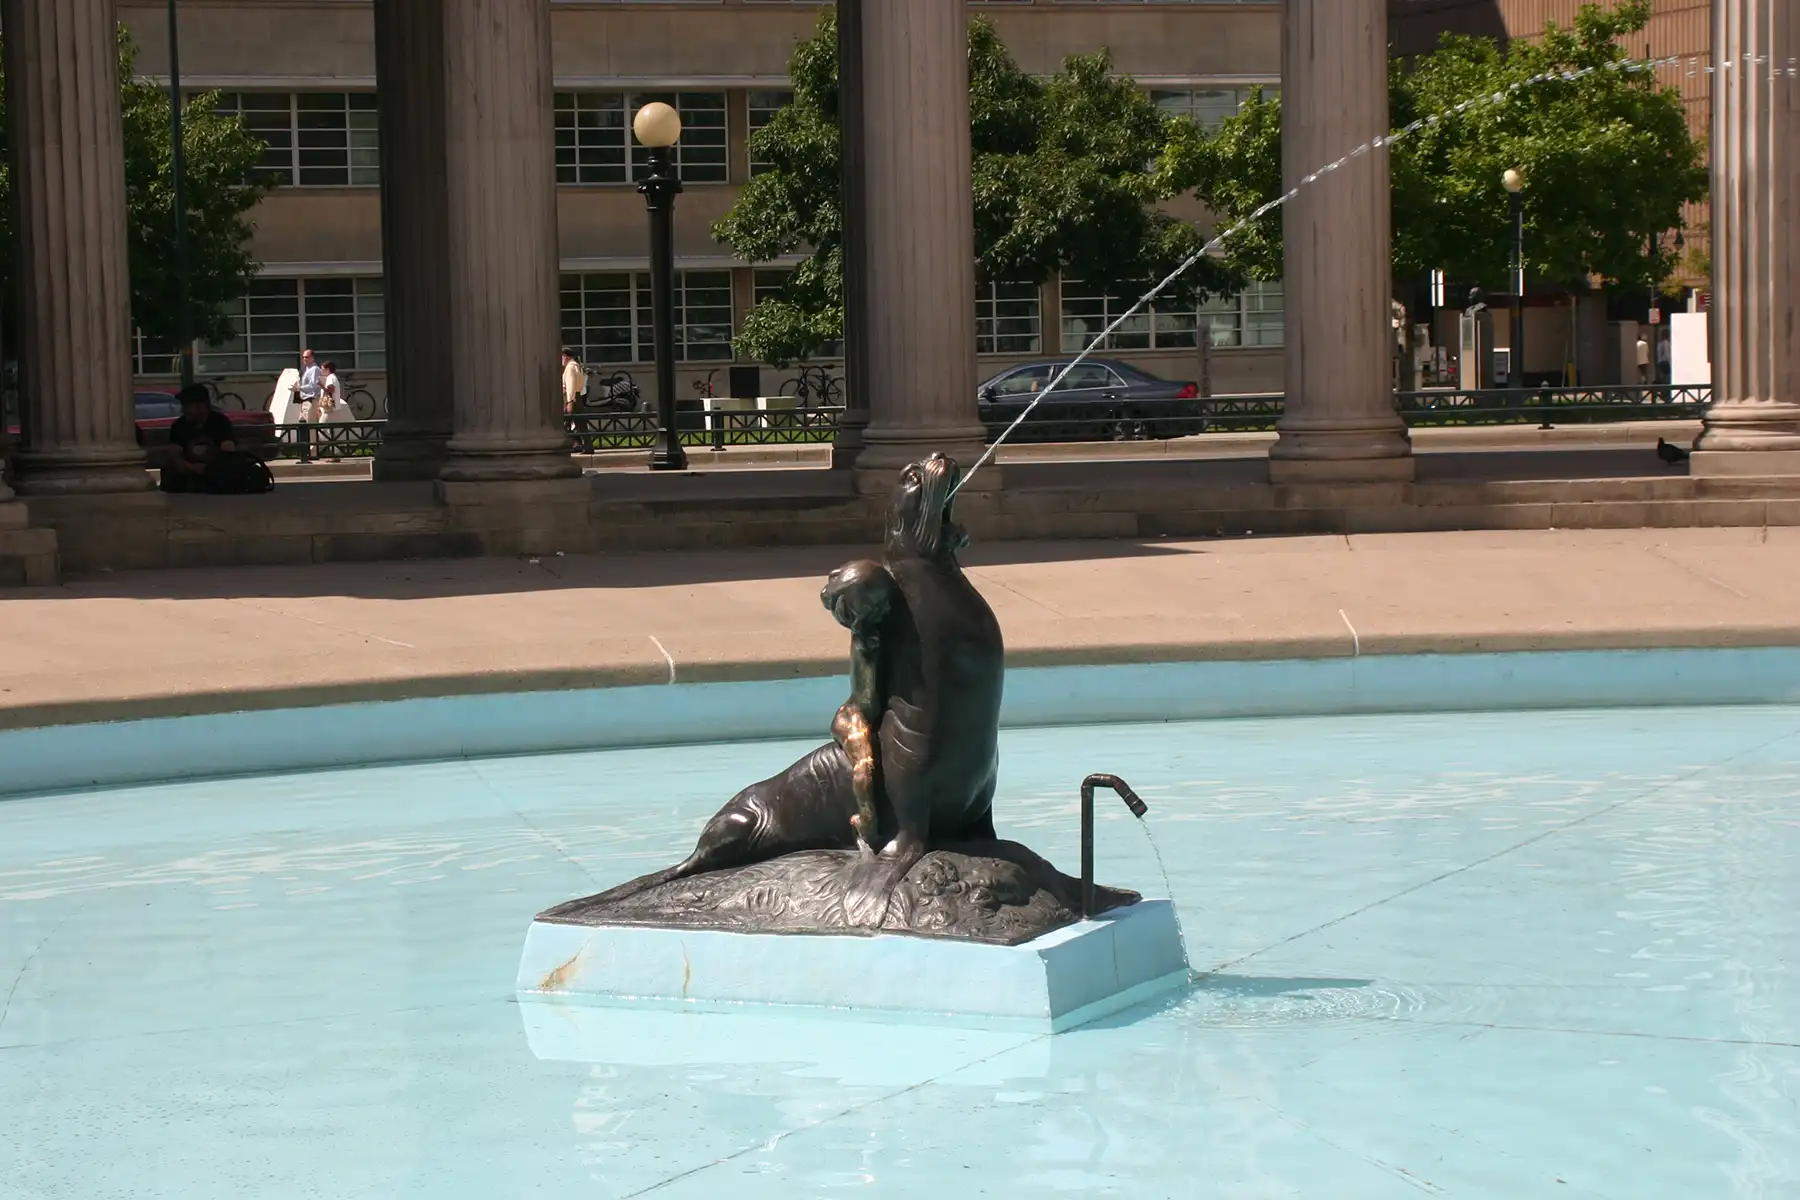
(1363,450)
(85,472)
(889,448)
(847,448)
(501,460)
(1751,428)
(406,457)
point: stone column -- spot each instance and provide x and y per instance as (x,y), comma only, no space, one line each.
(919,361)
(500,168)
(73,287)
(415,237)
(1753,425)
(1340,424)
(848,446)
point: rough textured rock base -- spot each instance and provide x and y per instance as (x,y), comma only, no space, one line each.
(994,892)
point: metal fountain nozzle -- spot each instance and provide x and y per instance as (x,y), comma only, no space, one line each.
(1138,809)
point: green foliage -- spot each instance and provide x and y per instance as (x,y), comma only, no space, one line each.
(221,190)
(1064,181)
(1608,159)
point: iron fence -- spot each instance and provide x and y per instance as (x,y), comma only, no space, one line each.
(593,432)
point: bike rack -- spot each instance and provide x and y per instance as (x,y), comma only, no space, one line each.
(1138,809)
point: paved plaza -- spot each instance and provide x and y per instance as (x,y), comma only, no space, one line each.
(168,642)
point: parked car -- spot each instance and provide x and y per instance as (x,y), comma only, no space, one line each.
(157,410)
(1100,399)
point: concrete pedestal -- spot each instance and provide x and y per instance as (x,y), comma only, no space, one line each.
(27,556)
(1059,981)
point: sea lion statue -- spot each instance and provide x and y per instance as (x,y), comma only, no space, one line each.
(940,668)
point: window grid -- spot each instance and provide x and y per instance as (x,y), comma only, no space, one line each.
(1008,319)
(763,107)
(1254,317)
(1209,107)
(594,142)
(606,316)
(312,139)
(341,319)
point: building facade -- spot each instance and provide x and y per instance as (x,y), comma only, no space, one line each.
(302,73)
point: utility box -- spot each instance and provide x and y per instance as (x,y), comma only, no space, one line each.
(745,381)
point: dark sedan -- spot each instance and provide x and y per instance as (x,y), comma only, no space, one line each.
(1101,399)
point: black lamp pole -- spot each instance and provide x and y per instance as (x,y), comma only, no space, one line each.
(1518,329)
(660,188)
(184,317)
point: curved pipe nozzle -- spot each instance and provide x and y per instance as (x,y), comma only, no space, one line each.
(1138,809)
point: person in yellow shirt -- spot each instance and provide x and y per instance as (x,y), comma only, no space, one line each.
(574,380)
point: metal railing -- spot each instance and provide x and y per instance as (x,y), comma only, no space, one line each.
(594,432)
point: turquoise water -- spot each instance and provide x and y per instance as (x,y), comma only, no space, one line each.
(1502,955)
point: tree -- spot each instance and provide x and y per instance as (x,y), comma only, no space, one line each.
(1607,156)
(1064,182)
(221,189)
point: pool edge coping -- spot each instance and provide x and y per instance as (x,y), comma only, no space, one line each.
(18,718)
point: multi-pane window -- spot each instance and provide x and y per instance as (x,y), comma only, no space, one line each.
(153,356)
(606,316)
(1008,319)
(763,107)
(313,139)
(340,319)
(1208,106)
(1252,318)
(594,142)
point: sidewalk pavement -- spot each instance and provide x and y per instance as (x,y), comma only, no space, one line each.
(208,640)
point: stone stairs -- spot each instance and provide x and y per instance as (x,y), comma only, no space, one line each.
(27,556)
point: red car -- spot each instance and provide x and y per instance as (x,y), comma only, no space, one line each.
(157,410)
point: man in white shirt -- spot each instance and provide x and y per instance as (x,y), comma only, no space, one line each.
(574,380)
(307,390)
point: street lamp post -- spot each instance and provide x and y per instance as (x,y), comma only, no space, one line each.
(658,128)
(184,317)
(1514,182)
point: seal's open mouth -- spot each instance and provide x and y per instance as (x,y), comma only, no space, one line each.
(941,475)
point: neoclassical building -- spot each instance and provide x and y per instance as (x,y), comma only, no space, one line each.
(470,218)
(303,74)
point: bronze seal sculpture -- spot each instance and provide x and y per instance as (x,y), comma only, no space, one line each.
(890,826)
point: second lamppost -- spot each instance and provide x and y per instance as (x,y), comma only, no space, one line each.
(658,128)
(1514,182)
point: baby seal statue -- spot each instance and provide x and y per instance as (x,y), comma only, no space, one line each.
(915,754)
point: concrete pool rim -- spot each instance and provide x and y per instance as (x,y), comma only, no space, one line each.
(348,731)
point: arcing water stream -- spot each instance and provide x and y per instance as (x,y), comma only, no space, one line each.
(1776,72)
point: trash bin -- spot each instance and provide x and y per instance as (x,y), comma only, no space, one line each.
(746,382)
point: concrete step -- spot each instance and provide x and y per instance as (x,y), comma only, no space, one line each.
(28,558)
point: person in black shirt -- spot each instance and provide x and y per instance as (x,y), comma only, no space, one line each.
(198,435)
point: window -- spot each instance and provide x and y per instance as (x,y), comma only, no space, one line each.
(313,139)
(1254,318)
(1026,381)
(1008,319)
(341,319)
(153,356)
(594,142)
(1209,107)
(606,317)
(763,107)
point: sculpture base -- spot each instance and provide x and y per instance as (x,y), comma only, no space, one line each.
(989,891)
(1055,982)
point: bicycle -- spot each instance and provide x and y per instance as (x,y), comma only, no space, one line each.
(362,402)
(223,400)
(706,388)
(815,387)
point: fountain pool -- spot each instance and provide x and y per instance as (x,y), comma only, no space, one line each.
(1505,954)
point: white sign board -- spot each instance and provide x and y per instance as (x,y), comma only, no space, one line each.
(1690,350)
